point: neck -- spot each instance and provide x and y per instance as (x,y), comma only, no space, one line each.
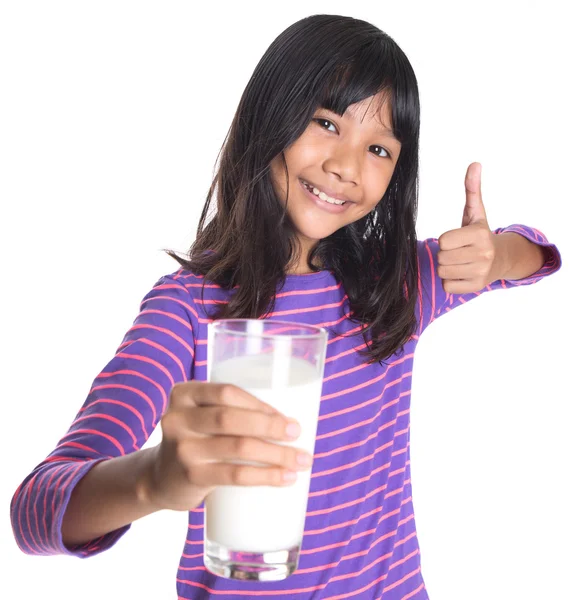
(303,268)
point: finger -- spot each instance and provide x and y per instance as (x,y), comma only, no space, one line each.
(474,207)
(459,256)
(206,393)
(468,271)
(248,449)
(227,394)
(463,286)
(209,475)
(457,238)
(229,420)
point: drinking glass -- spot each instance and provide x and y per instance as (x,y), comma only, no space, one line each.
(255,532)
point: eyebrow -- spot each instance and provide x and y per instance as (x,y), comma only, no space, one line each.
(382,130)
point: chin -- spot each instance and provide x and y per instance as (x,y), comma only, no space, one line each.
(314,233)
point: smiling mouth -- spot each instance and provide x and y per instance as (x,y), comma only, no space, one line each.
(327,199)
(328,207)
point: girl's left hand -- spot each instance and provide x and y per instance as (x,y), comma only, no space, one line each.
(469,259)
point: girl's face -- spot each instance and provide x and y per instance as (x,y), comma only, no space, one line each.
(351,157)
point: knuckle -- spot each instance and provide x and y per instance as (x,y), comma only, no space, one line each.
(182,453)
(244,447)
(169,422)
(268,426)
(221,418)
(278,426)
(239,475)
(291,458)
(176,390)
(192,474)
(225,392)
(179,450)
(179,390)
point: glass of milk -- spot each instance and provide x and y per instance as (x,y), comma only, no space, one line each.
(255,532)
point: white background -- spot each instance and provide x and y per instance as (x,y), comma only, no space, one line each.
(111,118)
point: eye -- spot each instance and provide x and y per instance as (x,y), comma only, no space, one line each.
(381,148)
(325,121)
(388,155)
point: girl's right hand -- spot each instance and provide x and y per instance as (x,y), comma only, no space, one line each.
(209,424)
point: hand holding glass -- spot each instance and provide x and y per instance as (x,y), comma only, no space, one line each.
(255,532)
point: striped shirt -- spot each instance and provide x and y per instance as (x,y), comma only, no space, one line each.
(360,537)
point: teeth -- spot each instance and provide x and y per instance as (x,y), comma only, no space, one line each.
(323,195)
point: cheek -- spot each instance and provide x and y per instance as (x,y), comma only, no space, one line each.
(305,151)
(380,190)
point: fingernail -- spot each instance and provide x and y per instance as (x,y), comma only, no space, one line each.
(289,476)
(475,172)
(293,429)
(303,459)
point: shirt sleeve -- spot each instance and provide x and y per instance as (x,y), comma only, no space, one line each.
(433,301)
(124,404)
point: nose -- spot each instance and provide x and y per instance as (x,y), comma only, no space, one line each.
(345,163)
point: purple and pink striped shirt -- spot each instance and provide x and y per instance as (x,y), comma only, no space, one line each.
(360,537)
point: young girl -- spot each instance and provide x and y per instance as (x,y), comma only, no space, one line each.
(332,110)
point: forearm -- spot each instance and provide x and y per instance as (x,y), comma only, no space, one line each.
(516,257)
(108,497)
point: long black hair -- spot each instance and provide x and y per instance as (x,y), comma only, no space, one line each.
(327,61)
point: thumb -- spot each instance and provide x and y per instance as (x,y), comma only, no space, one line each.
(474,207)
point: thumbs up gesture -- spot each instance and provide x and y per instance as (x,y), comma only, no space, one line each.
(467,256)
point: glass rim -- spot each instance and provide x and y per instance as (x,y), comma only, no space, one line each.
(318,332)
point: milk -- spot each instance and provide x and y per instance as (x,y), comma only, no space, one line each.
(267,518)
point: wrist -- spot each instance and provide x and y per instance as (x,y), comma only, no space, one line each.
(501,265)
(144,478)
